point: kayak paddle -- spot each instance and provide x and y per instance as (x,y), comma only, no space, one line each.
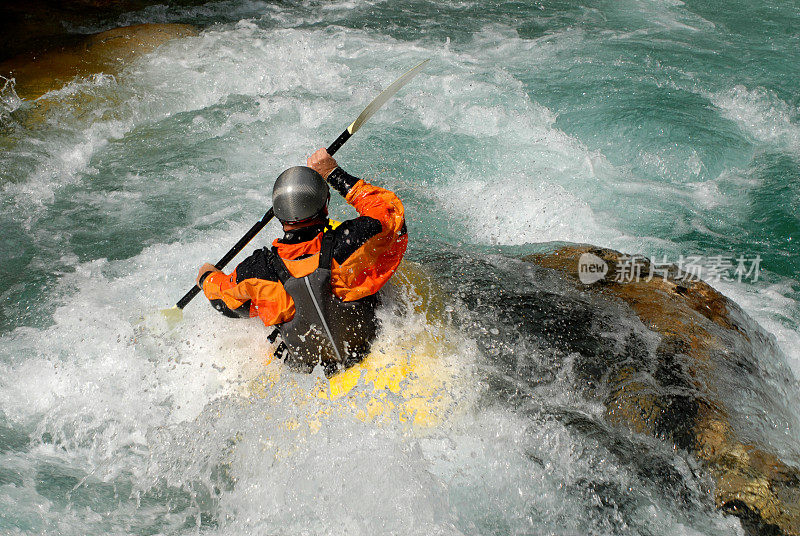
(175,314)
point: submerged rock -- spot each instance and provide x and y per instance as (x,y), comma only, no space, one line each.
(106,52)
(692,369)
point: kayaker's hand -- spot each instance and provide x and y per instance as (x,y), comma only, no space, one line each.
(322,162)
(206,268)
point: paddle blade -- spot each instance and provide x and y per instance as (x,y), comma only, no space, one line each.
(381,99)
(173,316)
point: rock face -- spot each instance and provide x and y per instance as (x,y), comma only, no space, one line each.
(41,24)
(701,378)
(40,72)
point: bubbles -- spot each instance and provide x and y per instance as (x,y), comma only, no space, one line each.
(762,115)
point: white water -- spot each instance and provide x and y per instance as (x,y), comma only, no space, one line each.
(139,423)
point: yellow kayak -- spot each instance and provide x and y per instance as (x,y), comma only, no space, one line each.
(411,376)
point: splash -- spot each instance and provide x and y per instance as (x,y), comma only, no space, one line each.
(9,101)
(765,117)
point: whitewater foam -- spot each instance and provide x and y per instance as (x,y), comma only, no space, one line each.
(762,115)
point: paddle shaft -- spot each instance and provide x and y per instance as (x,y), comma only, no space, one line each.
(254,230)
(338,142)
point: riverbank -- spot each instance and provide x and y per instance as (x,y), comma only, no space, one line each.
(39,25)
(38,72)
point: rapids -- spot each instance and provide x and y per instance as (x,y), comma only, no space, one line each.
(660,127)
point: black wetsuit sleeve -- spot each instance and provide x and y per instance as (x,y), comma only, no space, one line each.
(341,181)
(240,312)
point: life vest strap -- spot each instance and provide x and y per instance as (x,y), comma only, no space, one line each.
(326,251)
(280,267)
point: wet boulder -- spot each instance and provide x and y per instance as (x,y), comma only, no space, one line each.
(673,358)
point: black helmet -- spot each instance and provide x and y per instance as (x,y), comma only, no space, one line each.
(299,194)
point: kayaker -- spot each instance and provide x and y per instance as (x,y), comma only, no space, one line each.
(319,282)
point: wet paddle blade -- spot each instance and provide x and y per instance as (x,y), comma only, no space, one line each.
(381,99)
(173,316)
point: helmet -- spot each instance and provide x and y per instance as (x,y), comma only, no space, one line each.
(299,194)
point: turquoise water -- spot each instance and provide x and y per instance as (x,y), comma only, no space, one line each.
(656,127)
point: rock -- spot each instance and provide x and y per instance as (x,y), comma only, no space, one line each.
(106,52)
(40,24)
(691,382)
